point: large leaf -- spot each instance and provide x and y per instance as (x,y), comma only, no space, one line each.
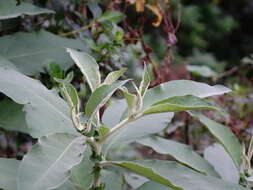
(224,136)
(88,66)
(176,176)
(145,126)
(5,63)
(181,153)
(40,104)
(49,162)
(112,180)
(180,103)
(12,116)
(222,162)
(8,174)
(9,9)
(31,52)
(150,185)
(181,88)
(100,96)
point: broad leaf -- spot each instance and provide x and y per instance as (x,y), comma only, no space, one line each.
(180,103)
(9,9)
(111,16)
(176,176)
(224,136)
(12,116)
(47,165)
(145,126)
(222,162)
(100,96)
(150,185)
(114,76)
(31,52)
(112,180)
(40,104)
(4,63)
(88,67)
(8,174)
(181,88)
(181,153)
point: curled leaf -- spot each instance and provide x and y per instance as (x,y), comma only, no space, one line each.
(157,10)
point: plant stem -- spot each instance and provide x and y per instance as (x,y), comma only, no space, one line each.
(119,126)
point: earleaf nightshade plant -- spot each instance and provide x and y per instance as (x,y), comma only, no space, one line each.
(72,147)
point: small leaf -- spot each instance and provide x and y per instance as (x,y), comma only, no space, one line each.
(55,71)
(181,88)
(224,136)
(111,16)
(70,94)
(222,162)
(88,67)
(144,82)
(47,165)
(182,153)
(100,96)
(176,176)
(8,174)
(67,79)
(131,100)
(114,76)
(157,11)
(180,103)
(9,9)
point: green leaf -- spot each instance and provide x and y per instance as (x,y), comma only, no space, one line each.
(32,52)
(47,165)
(112,180)
(100,96)
(182,153)
(176,176)
(8,174)
(9,9)
(4,63)
(150,185)
(111,16)
(70,94)
(55,71)
(224,136)
(144,82)
(114,76)
(40,104)
(222,162)
(88,67)
(202,70)
(181,88)
(12,116)
(180,103)
(145,126)
(131,100)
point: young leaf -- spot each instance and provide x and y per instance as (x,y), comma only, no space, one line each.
(181,88)
(131,100)
(113,76)
(44,48)
(12,116)
(222,162)
(47,165)
(8,174)
(111,16)
(9,9)
(176,176)
(224,136)
(180,103)
(40,104)
(144,82)
(182,153)
(100,96)
(70,94)
(88,67)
